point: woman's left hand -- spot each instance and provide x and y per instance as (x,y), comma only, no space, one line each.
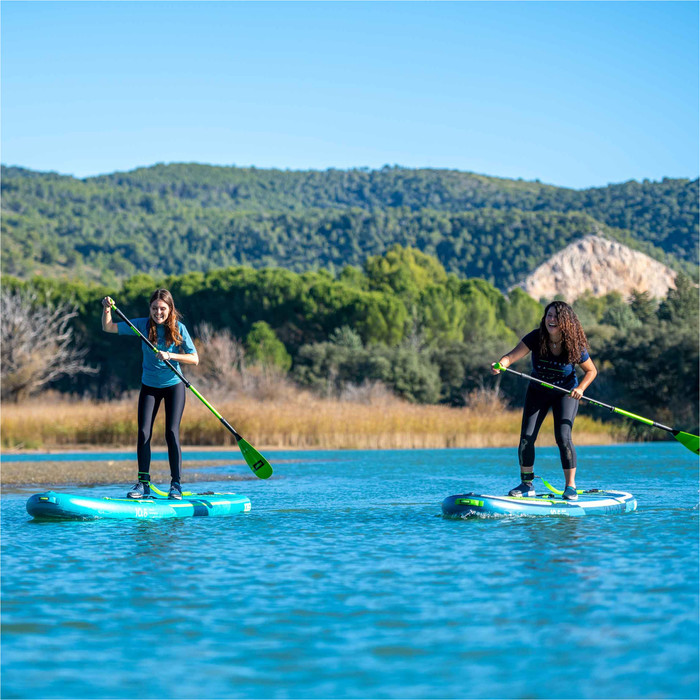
(163,355)
(576,394)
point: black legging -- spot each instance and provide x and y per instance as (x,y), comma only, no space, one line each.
(537,404)
(149,402)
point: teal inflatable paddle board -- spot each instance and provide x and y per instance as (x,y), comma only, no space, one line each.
(65,506)
(592,502)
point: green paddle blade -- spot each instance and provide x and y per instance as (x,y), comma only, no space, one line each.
(259,465)
(692,442)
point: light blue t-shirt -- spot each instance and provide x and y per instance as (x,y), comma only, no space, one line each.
(155,372)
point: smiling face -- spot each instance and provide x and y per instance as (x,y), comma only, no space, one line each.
(159,311)
(551,321)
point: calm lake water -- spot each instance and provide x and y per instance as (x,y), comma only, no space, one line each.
(344,581)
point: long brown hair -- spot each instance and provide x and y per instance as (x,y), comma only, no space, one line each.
(172,332)
(574,340)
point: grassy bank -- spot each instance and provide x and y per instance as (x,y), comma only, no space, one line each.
(303,422)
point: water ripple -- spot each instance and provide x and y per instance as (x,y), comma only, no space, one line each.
(344,581)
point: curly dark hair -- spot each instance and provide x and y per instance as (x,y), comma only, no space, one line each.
(172,333)
(574,340)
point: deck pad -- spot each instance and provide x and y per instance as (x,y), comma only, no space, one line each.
(593,502)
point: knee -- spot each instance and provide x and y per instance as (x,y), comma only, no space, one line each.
(568,453)
(563,436)
(526,448)
(526,441)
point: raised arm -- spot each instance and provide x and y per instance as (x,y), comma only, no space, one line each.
(517,353)
(108,325)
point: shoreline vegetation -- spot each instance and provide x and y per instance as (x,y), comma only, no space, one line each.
(56,424)
(304,422)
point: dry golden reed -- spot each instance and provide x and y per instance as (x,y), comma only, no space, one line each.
(300,421)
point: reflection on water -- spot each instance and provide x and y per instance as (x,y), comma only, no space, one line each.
(344,581)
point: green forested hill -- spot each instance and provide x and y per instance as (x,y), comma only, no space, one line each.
(171,219)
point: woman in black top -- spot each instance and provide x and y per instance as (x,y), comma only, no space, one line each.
(556,346)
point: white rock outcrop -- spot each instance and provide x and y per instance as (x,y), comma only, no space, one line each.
(601,266)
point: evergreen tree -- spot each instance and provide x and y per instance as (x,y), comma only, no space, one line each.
(262,346)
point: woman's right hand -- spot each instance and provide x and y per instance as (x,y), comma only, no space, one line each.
(107,303)
(503,362)
(517,353)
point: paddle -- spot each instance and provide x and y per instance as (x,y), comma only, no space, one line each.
(259,465)
(692,442)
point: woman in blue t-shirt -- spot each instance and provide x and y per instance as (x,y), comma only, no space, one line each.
(158,383)
(557,346)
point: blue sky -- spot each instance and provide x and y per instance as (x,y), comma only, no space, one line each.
(575,94)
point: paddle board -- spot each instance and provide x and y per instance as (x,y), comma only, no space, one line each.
(65,506)
(593,502)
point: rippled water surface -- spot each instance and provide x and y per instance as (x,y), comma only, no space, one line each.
(344,581)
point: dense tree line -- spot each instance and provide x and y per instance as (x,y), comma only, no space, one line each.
(180,218)
(662,212)
(401,320)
